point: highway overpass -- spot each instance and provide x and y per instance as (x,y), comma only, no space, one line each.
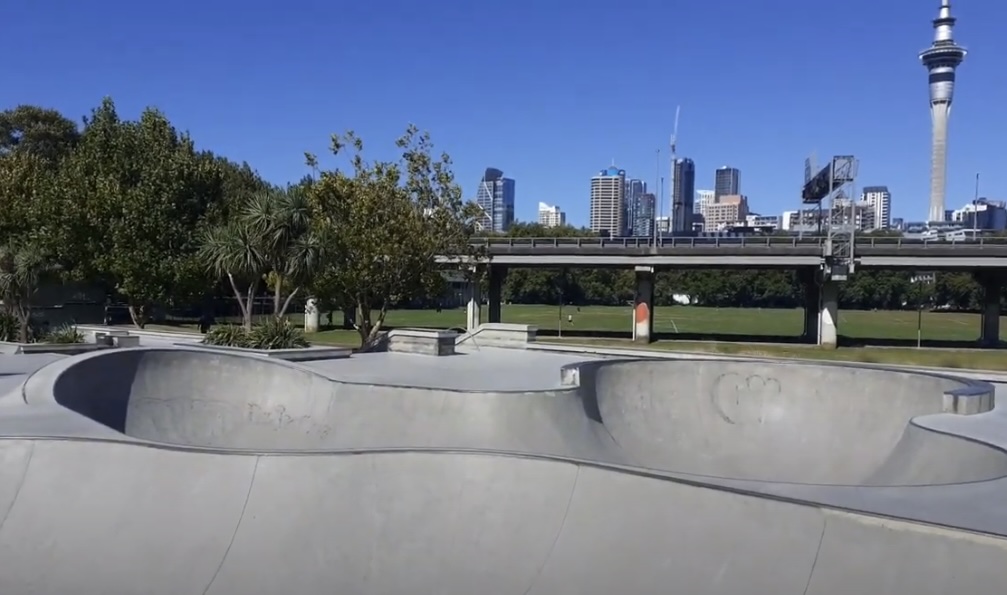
(743,252)
(986,258)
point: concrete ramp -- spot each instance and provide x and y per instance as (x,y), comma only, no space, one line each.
(115,519)
(783,422)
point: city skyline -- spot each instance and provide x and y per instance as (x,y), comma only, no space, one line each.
(941,60)
(541,126)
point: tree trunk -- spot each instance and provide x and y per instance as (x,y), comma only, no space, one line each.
(138,314)
(277,297)
(244,303)
(363,323)
(24,328)
(286,303)
(376,327)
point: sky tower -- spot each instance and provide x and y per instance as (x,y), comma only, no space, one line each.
(941,60)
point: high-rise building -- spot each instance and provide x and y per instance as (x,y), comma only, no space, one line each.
(880,200)
(727,181)
(683,195)
(550,216)
(608,190)
(633,205)
(646,209)
(941,60)
(703,198)
(496,199)
(728,210)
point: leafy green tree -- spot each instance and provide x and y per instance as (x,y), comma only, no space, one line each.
(38,131)
(384,223)
(131,198)
(267,240)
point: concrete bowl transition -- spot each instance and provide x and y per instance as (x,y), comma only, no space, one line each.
(120,468)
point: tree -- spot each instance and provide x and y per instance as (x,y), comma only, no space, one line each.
(383,225)
(23,265)
(38,131)
(269,240)
(133,195)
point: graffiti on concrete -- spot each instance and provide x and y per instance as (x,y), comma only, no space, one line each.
(738,398)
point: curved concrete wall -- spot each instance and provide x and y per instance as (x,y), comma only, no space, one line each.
(104,518)
(230,401)
(775,422)
(784,422)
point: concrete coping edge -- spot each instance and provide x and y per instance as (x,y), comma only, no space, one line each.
(422,333)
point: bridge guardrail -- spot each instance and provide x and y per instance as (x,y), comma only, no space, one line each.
(755,242)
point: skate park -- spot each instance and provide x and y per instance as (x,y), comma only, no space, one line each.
(494,470)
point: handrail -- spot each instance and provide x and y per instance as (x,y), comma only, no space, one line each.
(718,241)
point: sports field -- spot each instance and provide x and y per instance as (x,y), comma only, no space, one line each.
(883,337)
(698,321)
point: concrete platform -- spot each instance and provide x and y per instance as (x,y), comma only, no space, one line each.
(696,476)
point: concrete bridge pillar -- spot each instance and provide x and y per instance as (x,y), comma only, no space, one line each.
(992,286)
(828,316)
(643,305)
(809,280)
(497,274)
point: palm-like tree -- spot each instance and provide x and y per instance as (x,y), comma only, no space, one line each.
(22,268)
(268,240)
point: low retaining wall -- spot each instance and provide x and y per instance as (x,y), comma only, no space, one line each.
(501,334)
(304,354)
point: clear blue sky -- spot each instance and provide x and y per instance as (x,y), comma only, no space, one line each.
(550,91)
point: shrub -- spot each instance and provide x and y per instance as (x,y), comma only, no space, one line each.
(65,333)
(227,335)
(276,333)
(10,328)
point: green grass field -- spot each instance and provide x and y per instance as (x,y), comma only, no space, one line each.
(610,327)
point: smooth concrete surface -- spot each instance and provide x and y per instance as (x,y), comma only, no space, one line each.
(258,476)
(792,423)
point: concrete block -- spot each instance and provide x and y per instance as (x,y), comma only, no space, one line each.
(423,341)
(969,400)
(125,341)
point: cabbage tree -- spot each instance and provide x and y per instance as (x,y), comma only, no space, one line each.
(268,241)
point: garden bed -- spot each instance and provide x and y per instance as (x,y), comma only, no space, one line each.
(297,354)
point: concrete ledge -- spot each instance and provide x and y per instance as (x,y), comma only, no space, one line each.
(291,355)
(61,348)
(502,334)
(422,341)
(969,400)
(135,332)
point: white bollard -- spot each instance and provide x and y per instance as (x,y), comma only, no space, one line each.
(311,316)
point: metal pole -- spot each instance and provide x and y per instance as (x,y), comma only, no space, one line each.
(662,203)
(919,322)
(654,208)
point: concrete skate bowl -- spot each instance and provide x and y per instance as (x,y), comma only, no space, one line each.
(789,422)
(444,516)
(225,401)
